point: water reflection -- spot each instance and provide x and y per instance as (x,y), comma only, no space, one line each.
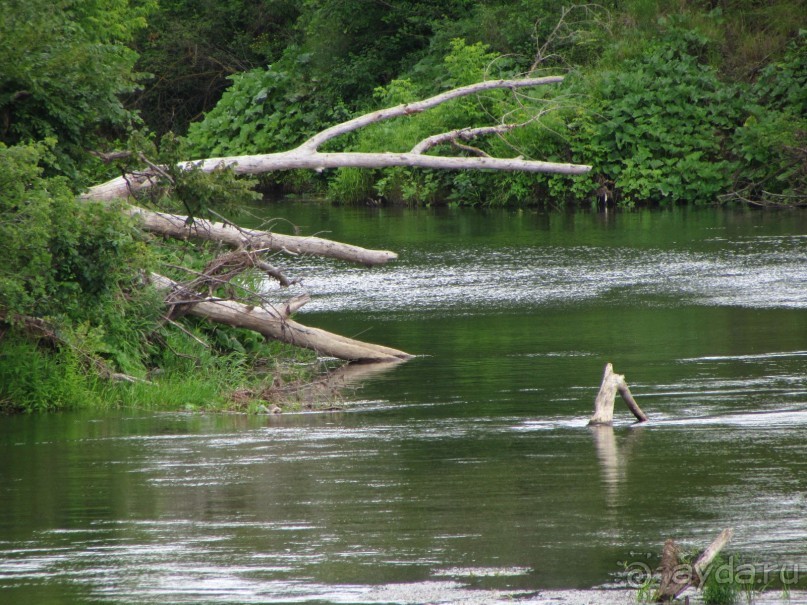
(336,383)
(614,458)
(466,475)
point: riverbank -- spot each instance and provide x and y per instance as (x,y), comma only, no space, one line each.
(669,104)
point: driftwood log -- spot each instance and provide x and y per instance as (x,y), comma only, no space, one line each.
(274,323)
(178,226)
(677,576)
(612,384)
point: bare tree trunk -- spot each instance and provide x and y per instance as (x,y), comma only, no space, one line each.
(314,160)
(179,226)
(604,404)
(275,324)
(308,156)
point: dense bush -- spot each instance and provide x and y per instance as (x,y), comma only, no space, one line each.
(77,266)
(265,110)
(771,144)
(62,71)
(663,125)
(75,306)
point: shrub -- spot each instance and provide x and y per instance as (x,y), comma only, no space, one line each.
(771,143)
(62,71)
(663,122)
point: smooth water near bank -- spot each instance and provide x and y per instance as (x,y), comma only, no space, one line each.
(467,474)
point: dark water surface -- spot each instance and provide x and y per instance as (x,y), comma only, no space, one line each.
(467,474)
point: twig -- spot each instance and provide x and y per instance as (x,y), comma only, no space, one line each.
(187,333)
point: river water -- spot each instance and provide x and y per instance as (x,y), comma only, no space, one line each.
(468,474)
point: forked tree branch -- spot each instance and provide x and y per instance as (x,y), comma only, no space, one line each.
(407,109)
(307,156)
(463,134)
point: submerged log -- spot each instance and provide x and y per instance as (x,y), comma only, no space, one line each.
(612,384)
(274,323)
(677,576)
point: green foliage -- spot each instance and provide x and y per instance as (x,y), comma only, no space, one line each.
(352,186)
(62,256)
(77,265)
(179,187)
(664,121)
(75,306)
(782,85)
(659,90)
(353,46)
(62,68)
(771,144)
(265,110)
(25,220)
(34,379)
(464,64)
(723,583)
(335,70)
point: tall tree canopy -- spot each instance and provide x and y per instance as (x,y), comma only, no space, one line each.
(63,68)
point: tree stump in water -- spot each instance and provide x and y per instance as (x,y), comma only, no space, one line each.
(604,404)
(677,576)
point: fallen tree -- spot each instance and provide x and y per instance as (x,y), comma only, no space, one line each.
(182,227)
(262,318)
(273,322)
(308,156)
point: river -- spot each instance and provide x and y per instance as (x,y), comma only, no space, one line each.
(468,474)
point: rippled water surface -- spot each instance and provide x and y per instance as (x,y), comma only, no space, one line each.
(467,475)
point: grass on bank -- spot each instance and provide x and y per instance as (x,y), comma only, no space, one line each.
(77,311)
(729,580)
(187,375)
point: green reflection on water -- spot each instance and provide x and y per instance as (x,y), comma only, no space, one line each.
(473,456)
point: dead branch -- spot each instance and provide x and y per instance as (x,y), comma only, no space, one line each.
(464,134)
(111,156)
(676,576)
(407,109)
(307,156)
(293,305)
(274,324)
(564,33)
(612,384)
(180,227)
